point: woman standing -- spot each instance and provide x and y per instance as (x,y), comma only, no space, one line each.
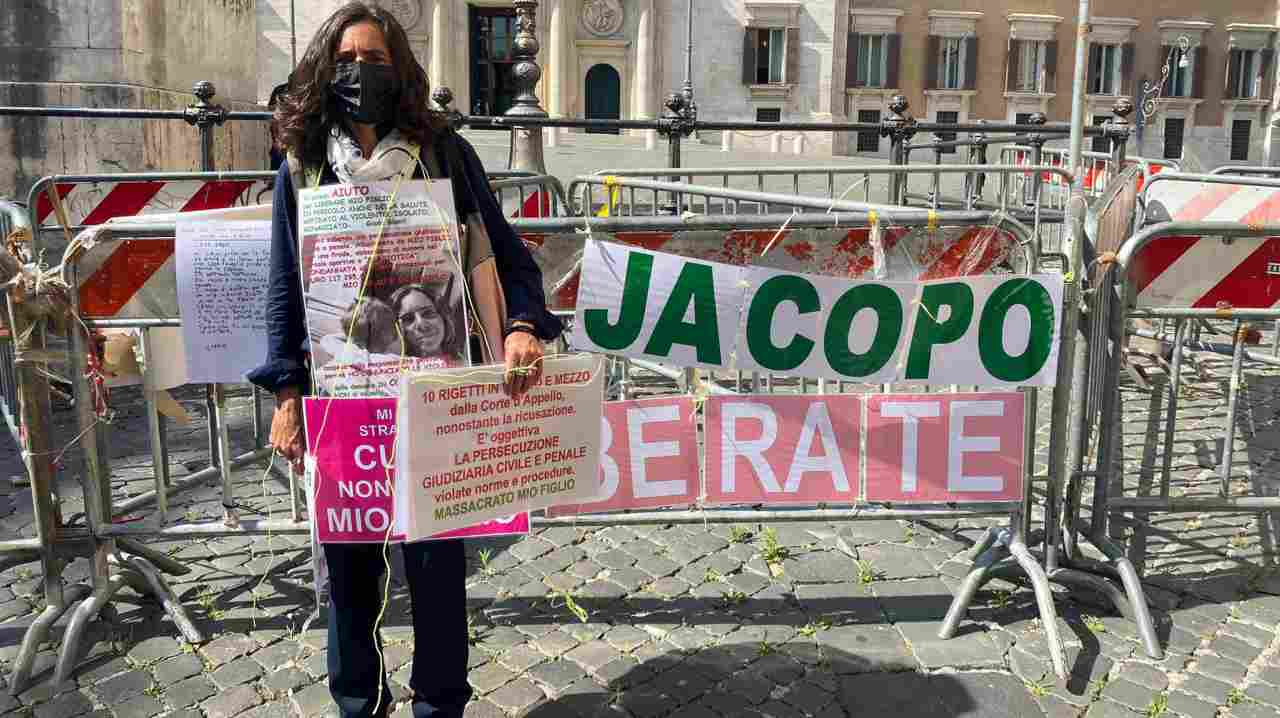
(356,111)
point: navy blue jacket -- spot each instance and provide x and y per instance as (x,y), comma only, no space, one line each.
(287,342)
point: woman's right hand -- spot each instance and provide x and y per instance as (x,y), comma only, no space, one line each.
(286,427)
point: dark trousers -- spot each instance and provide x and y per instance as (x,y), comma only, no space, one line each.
(436,571)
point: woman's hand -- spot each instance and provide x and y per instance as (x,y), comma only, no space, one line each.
(286,427)
(522,349)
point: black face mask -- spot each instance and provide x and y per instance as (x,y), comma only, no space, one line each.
(365,92)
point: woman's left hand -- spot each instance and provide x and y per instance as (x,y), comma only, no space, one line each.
(522,349)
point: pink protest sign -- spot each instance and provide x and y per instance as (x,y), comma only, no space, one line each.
(782,449)
(648,457)
(930,448)
(351,443)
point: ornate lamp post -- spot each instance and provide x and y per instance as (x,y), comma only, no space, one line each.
(526,142)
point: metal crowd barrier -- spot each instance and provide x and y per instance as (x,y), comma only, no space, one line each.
(1103,360)
(119,559)
(667,197)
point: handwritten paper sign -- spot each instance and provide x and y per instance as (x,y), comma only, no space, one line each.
(351,452)
(222,269)
(471,453)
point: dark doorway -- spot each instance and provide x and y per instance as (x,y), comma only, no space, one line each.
(604,96)
(492,32)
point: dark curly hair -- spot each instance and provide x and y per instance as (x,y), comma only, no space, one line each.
(305,112)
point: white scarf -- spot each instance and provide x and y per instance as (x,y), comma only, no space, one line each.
(393,154)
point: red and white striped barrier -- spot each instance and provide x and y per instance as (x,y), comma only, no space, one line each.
(91,203)
(1209,272)
(116,284)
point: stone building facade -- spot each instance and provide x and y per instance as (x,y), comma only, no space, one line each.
(817,60)
(824,60)
(131,54)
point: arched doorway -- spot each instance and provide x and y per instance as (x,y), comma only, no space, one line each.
(604,96)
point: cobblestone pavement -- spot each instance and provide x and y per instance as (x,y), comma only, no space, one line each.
(815,619)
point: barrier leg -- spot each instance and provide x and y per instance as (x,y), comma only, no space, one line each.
(36,419)
(219,417)
(1119,566)
(169,565)
(36,634)
(986,555)
(1044,600)
(162,591)
(70,651)
(1081,579)
(1233,392)
(1175,382)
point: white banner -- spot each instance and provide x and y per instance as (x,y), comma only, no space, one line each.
(989,330)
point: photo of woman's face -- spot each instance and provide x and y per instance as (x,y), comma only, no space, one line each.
(421,324)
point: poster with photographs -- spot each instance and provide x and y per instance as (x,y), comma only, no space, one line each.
(382,284)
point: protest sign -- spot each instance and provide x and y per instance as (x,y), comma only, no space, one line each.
(996,330)
(924,448)
(471,453)
(222,271)
(648,457)
(351,452)
(782,449)
(382,281)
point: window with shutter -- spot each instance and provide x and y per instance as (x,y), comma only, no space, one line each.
(871,61)
(893,53)
(1244,74)
(1182,69)
(970,68)
(1029,64)
(768,114)
(869,141)
(1266,85)
(764,56)
(951,63)
(851,60)
(791,75)
(1173,129)
(1240,131)
(1105,69)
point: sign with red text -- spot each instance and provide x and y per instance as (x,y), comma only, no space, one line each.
(932,448)
(648,457)
(472,453)
(351,453)
(782,449)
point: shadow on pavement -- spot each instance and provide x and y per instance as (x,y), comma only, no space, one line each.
(798,678)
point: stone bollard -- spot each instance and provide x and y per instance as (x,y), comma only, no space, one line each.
(797,145)
(650,139)
(726,141)
(775,142)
